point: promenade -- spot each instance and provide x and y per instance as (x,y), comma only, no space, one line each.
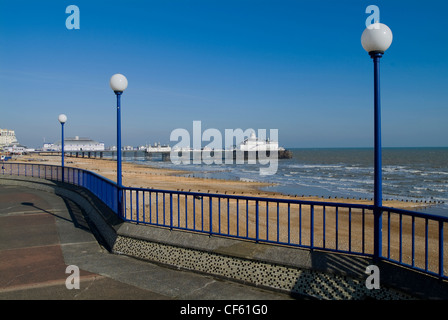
(42,233)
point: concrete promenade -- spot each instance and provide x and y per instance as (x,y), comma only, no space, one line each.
(42,233)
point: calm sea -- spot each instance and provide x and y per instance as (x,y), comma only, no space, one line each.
(413,174)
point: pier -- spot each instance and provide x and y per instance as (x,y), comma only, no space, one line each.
(166,155)
(224,154)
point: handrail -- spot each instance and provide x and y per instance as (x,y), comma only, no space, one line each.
(412,239)
(252,198)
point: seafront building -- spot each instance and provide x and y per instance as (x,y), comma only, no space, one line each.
(9,144)
(16,149)
(75,144)
(7,137)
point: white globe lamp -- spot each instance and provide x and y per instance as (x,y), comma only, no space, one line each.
(62,118)
(376,38)
(118,82)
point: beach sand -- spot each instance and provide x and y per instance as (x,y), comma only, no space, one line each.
(233,219)
(145,176)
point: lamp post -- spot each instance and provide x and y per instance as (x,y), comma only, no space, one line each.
(119,83)
(62,119)
(376,39)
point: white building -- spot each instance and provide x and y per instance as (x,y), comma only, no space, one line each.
(75,144)
(16,149)
(254,144)
(7,137)
(157,147)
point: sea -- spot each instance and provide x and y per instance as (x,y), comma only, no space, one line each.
(409,174)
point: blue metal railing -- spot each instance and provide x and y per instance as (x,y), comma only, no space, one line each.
(103,188)
(408,238)
(281,221)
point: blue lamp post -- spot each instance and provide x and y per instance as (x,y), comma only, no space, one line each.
(62,119)
(119,83)
(376,39)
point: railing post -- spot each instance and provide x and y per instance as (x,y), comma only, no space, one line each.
(130,203)
(289,223)
(137,205)
(377,233)
(171,211)
(350,229)
(257,222)
(211,215)
(120,201)
(164,205)
(311,226)
(440,249)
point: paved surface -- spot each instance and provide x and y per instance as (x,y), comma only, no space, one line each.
(42,233)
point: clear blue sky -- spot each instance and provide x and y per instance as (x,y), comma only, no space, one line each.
(296,66)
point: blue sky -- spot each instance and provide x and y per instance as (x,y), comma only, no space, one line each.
(296,66)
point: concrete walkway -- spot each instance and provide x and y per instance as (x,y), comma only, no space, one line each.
(42,233)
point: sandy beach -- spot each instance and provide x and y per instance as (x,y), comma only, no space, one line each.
(145,176)
(348,235)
